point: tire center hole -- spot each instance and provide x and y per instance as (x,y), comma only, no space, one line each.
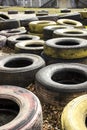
(67,43)
(70,23)
(24,38)
(73,32)
(86,121)
(8,111)
(19,62)
(34,45)
(69,77)
(15,31)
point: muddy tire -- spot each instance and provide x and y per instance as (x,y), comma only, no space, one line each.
(11,41)
(58,84)
(79,33)
(12,32)
(37,26)
(32,46)
(29,12)
(50,60)
(19,69)
(74,114)
(21,109)
(66,48)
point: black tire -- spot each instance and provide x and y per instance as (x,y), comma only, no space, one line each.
(19,69)
(49,17)
(41,14)
(50,60)
(48,30)
(25,21)
(66,48)
(12,12)
(9,24)
(3,40)
(65,10)
(79,33)
(29,11)
(57,84)
(18,38)
(4,16)
(19,109)
(12,32)
(32,46)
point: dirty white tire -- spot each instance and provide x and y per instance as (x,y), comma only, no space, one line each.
(11,41)
(80,33)
(69,22)
(12,32)
(74,116)
(32,46)
(23,106)
(19,69)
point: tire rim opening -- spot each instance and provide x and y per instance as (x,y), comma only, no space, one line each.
(70,23)
(15,31)
(19,62)
(86,121)
(67,43)
(73,32)
(69,77)
(8,111)
(34,45)
(24,38)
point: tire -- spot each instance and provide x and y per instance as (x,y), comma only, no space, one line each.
(66,48)
(65,10)
(79,33)
(29,12)
(22,108)
(9,24)
(37,26)
(74,114)
(58,84)
(49,17)
(25,21)
(19,69)
(32,46)
(69,22)
(12,32)
(18,38)
(3,40)
(41,14)
(48,30)
(50,60)
(4,16)
(12,12)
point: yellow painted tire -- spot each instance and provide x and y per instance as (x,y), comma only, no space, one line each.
(37,26)
(66,48)
(68,32)
(74,114)
(69,22)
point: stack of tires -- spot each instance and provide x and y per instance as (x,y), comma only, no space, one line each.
(60,50)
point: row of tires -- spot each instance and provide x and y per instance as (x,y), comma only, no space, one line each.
(55,84)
